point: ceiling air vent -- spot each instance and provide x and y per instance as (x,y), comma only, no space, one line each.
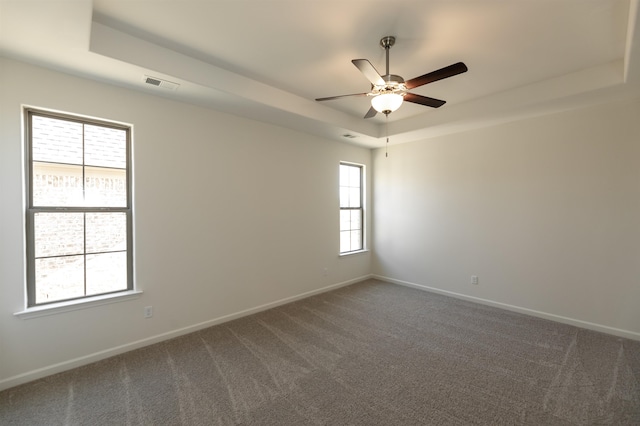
(158,82)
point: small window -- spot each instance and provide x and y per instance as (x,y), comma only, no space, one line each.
(351,208)
(78,208)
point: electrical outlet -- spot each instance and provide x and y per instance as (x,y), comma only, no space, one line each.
(325,271)
(148,311)
(474,279)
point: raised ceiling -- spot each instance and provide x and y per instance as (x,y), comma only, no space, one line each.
(269,60)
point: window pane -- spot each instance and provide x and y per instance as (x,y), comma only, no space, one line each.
(105,187)
(354,176)
(106,272)
(344,175)
(106,232)
(57,185)
(345,220)
(356,240)
(354,197)
(58,234)
(356,219)
(105,147)
(59,278)
(345,241)
(55,140)
(344,197)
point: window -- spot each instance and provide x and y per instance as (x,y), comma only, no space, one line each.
(351,208)
(79,239)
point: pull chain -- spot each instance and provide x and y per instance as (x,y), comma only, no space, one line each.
(386,148)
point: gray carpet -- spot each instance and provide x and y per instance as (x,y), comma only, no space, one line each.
(369,354)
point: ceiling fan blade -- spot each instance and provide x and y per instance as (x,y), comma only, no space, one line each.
(450,71)
(340,96)
(369,71)
(423,100)
(371,113)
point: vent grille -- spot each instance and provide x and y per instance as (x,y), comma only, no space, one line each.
(153,81)
(158,82)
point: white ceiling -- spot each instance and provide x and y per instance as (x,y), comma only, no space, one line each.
(269,59)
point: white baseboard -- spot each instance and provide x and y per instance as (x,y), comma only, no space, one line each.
(97,356)
(557,318)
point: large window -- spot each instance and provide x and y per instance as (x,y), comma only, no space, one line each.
(79,239)
(351,208)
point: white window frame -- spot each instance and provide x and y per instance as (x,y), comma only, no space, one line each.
(33,308)
(361,209)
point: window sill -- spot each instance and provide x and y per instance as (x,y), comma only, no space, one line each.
(350,253)
(75,305)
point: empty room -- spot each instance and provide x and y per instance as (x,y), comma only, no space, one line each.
(300,212)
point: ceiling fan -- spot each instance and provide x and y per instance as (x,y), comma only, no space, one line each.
(389,91)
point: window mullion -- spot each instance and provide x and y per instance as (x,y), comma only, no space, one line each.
(31,256)
(84,214)
(84,251)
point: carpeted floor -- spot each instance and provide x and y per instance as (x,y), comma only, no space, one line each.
(369,354)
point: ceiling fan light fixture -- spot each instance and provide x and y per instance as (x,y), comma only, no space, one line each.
(389,91)
(386,102)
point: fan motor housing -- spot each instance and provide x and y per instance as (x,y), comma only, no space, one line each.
(392,78)
(393,84)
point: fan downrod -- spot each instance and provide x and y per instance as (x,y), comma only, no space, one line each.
(386,43)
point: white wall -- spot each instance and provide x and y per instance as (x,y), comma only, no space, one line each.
(230,215)
(545,211)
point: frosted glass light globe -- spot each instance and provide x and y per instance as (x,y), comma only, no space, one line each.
(386,102)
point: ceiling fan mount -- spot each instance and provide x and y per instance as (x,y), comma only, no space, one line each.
(388,91)
(387,41)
